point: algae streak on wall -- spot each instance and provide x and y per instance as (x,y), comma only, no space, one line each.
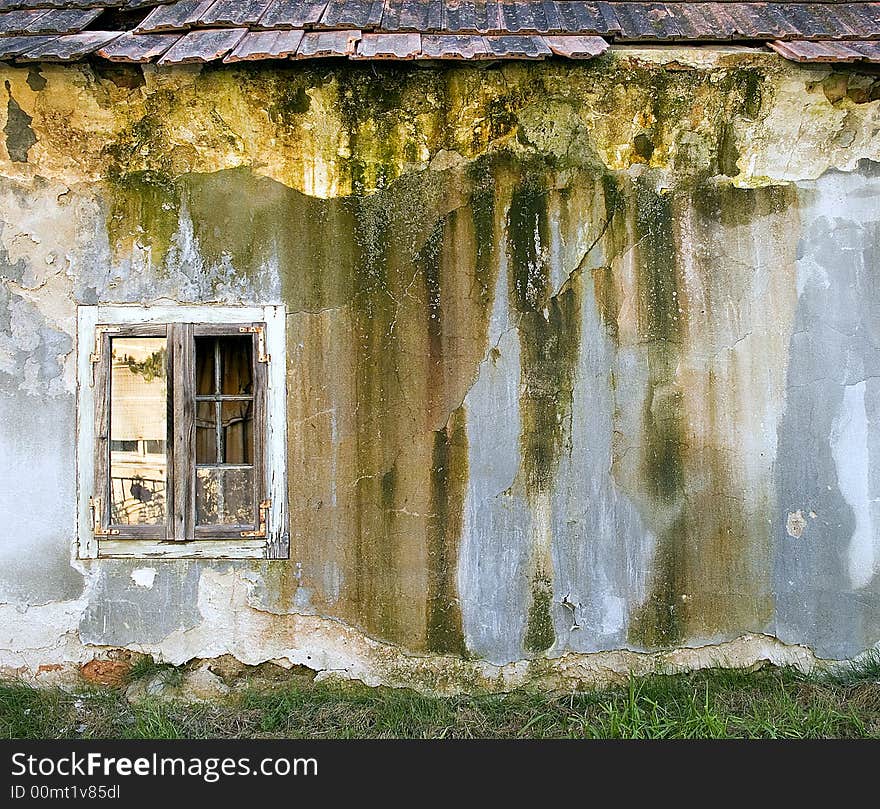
(568,346)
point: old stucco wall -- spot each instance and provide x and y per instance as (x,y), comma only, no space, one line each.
(583,358)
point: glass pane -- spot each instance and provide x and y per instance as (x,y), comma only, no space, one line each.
(138,411)
(238,432)
(205,382)
(206,432)
(236,354)
(224,496)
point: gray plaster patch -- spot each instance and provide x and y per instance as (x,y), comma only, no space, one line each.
(37,490)
(32,352)
(826,583)
(11,270)
(121,611)
(19,135)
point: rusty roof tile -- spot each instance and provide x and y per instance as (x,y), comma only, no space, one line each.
(68,48)
(292,14)
(454,46)
(412,15)
(203,46)
(138,47)
(388,46)
(351,14)
(320,44)
(266,45)
(234,13)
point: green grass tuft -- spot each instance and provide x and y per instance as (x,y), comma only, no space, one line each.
(714,704)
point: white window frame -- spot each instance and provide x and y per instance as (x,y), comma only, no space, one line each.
(276,543)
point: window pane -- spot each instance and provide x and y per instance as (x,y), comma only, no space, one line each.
(138,411)
(238,433)
(224,496)
(206,432)
(236,354)
(205,381)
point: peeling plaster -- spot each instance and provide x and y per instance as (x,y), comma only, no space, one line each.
(144,577)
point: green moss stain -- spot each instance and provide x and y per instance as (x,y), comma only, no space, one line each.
(659,312)
(540,633)
(144,210)
(290,101)
(482,211)
(604,284)
(428,261)
(549,331)
(449,474)
(309,242)
(142,145)
(728,154)
(377,595)
(379,108)
(750,85)
(549,334)
(658,622)
(740,207)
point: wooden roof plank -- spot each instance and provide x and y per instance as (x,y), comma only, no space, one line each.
(352,14)
(280,44)
(203,46)
(233,12)
(454,46)
(174,16)
(322,44)
(576,47)
(138,48)
(68,48)
(292,14)
(388,46)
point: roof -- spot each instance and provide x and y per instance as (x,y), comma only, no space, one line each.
(185,31)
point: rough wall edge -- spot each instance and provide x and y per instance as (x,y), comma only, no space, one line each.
(445,675)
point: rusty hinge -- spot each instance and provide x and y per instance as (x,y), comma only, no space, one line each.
(264,519)
(97,529)
(260,331)
(95,356)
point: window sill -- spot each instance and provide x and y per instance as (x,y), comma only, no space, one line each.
(198,549)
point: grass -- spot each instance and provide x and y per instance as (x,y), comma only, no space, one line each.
(714,704)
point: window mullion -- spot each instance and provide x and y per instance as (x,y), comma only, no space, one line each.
(183,395)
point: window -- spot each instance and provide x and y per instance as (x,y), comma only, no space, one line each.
(187,438)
